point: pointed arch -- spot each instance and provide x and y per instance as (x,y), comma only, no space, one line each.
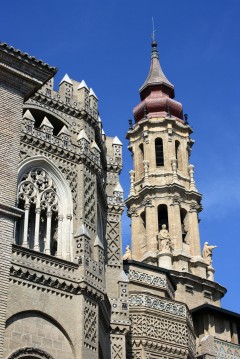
(48,211)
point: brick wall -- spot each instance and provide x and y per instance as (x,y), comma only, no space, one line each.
(10,115)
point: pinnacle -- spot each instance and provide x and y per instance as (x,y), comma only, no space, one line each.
(27,115)
(91,93)
(46,122)
(82,84)
(94,145)
(116,141)
(98,242)
(64,131)
(82,134)
(67,79)
(82,230)
(118,188)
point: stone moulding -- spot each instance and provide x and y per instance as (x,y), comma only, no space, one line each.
(29,353)
(147,278)
(152,280)
(158,304)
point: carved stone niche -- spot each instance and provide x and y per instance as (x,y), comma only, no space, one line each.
(30,353)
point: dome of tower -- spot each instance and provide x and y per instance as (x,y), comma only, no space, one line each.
(157,92)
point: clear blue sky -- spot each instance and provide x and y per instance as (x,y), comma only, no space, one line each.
(107,43)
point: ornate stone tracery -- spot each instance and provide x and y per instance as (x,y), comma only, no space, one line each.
(46,225)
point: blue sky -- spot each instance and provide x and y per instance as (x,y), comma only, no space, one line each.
(107,43)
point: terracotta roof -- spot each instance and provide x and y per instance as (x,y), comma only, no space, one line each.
(26,57)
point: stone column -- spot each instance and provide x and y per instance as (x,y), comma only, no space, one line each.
(68,236)
(151,229)
(36,232)
(136,250)
(25,229)
(175,227)
(59,238)
(48,232)
(195,247)
(20,76)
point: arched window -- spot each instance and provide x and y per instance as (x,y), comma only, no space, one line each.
(184,224)
(159,152)
(178,154)
(162,216)
(46,199)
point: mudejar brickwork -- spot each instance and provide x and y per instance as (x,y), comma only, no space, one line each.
(66,290)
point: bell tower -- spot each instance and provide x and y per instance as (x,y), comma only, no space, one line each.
(163,202)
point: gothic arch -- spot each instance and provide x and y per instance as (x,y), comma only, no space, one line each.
(64,203)
(47,112)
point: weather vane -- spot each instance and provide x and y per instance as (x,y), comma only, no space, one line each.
(153,32)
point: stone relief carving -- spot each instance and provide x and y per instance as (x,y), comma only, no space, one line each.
(90,326)
(116,347)
(113,246)
(158,304)
(147,278)
(226,350)
(159,328)
(89,198)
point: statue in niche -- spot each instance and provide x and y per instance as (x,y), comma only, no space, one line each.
(128,254)
(207,253)
(164,240)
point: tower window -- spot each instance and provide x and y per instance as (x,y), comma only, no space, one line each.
(178,154)
(159,152)
(162,216)
(143,218)
(141,158)
(184,224)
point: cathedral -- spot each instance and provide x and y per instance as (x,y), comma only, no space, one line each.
(66,291)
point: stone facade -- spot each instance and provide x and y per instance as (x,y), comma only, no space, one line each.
(65,290)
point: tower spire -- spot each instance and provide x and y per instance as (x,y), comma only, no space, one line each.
(157,92)
(156,76)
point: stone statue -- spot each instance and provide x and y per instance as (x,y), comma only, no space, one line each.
(127,254)
(164,240)
(207,253)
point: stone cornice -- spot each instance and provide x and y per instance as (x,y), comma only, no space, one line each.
(178,276)
(22,72)
(59,151)
(155,122)
(58,275)
(10,211)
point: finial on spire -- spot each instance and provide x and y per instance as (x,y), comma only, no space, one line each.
(153,32)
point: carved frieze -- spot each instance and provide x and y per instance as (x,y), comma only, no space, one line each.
(151,280)
(159,304)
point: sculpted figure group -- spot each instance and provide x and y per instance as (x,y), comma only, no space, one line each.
(165,245)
